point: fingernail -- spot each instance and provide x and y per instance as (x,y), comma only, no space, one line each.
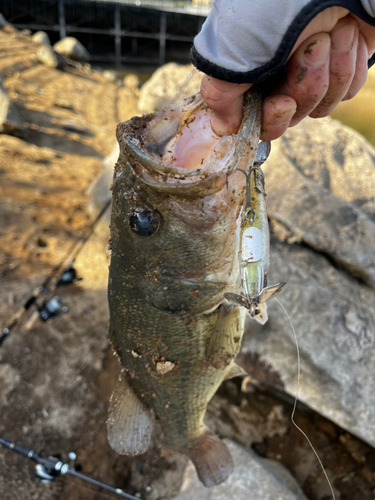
(342,39)
(316,52)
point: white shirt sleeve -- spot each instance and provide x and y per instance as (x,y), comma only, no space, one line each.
(247,41)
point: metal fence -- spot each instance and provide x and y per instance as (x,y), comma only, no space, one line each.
(115,31)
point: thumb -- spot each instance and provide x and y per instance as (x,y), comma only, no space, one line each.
(225,100)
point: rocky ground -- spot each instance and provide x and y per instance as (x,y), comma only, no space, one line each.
(56,377)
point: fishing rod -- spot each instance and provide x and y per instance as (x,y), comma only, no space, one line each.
(48,469)
(54,307)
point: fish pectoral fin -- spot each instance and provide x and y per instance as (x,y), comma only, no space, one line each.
(129,426)
(234,370)
(226,337)
(271,291)
(212,459)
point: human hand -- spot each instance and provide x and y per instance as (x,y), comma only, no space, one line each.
(328,64)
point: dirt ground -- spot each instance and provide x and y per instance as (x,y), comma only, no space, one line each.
(56,377)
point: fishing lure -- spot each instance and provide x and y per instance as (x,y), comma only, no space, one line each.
(255,240)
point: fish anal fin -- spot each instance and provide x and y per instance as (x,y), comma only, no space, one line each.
(225,341)
(212,459)
(129,426)
(271,291)
(234,370)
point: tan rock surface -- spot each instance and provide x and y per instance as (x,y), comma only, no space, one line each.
(169,84)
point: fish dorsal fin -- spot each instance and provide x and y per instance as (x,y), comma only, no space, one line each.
(271,291)
(226,337)
(129,426)
(234,370)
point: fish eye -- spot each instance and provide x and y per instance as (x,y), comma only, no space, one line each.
(145,223)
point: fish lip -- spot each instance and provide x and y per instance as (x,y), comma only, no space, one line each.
(185,182)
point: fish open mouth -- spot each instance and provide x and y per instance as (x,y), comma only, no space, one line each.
(176,151)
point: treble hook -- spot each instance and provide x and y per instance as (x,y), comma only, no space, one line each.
(261,156)
(250,214)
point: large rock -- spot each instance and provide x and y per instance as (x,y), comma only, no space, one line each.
(41,38)
(329,202)
(253,477)
(11,119)
(169,84)
(3,22)
(110,76)
(132,82)
(47,56)
(320,182)
(72,48)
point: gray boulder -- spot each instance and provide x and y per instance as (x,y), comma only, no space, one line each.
(11,119)
(3,22)
(326,198)
(253,477)
(72,48)
(320,182)
(41,38)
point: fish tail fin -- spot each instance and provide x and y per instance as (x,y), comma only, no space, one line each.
(212,459)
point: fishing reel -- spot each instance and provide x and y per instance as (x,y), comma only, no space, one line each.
(55,306)
(52,308)
(47,470)
(45,474)
(69,276)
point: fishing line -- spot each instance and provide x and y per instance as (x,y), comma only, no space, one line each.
(296,399)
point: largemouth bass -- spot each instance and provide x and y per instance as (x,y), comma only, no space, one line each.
(175,232)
